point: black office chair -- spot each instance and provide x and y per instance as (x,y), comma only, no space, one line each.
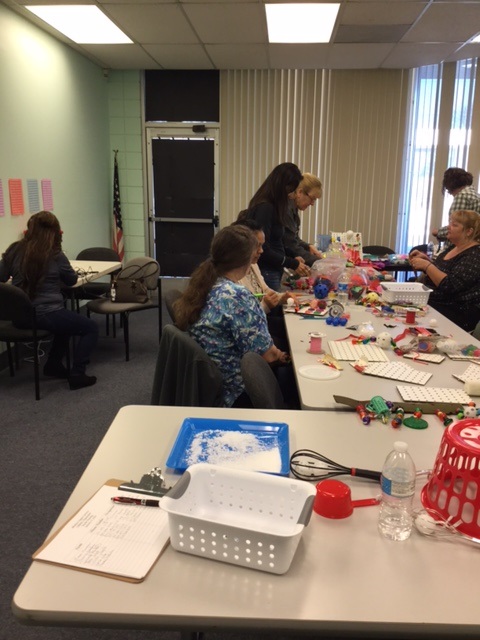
(419,247)
(16,308)
(185,376)
(107,307)
(260,382)
(94,290)
(377,250)
(170,297)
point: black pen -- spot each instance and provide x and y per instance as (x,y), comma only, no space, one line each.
(140,501)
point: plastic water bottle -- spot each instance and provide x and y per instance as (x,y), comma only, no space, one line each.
(398,487)
(342,288)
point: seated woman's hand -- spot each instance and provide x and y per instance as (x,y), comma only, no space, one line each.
(417,254)
(420,262)
(272,298)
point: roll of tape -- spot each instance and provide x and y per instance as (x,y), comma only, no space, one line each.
(472,387)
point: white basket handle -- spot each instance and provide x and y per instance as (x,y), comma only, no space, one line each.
(306,513)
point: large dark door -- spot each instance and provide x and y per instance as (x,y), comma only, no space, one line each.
(183,211)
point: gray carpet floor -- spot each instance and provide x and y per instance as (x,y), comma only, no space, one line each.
(45,446)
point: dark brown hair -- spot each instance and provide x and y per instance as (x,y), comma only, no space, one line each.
(455,178)
(41,242)
(281,181)
(231,248)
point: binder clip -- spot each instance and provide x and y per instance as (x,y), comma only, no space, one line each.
(152,484)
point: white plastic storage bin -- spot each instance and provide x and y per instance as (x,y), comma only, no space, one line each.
(414,293)
(246,518)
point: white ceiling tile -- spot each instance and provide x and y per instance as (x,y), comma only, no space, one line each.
(381,13)
(180,56)
(235,24)
(298,56)
(152,24)
(409,56)
(129,56)
(357,56)
(238,56)
(446,22)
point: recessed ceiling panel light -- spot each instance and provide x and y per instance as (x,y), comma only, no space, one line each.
(301,23)
(476,39)
(84,24)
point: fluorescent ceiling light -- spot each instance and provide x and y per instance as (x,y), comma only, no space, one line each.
(476,39)
(84,24)
(301,22)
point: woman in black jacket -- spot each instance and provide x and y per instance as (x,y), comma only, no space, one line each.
(269,207)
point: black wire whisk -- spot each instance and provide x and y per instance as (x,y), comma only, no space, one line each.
(306,464)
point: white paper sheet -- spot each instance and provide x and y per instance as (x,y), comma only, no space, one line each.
(122,540)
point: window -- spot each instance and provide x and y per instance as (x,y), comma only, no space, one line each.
(419,166)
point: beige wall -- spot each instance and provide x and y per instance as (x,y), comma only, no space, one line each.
(347,127)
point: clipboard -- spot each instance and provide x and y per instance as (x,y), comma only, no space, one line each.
(122,542)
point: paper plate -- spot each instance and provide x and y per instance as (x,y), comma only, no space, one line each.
(318,372)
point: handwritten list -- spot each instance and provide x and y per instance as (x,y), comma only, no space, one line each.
(116,540)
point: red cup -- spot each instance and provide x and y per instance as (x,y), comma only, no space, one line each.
(333,499)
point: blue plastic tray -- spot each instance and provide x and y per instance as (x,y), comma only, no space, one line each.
(198,437)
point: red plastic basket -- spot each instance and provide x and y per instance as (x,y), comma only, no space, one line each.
(453,490)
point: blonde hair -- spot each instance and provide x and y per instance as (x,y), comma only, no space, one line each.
(311,183)
(469,220)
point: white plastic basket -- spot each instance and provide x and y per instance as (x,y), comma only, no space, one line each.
(242,517)
(414,293)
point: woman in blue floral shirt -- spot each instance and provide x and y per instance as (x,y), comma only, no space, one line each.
(222,315)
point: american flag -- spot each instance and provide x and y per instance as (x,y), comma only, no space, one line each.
(117,214)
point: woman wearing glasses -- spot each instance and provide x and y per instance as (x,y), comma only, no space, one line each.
(306,194)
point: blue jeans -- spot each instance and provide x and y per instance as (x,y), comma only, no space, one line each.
(273,278)
(64,324)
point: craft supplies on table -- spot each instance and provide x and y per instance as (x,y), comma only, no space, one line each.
(241,517)
(434,358)
(409,293)
(245,444)
(433,394)
(395,371)
(345,350)
(318,372)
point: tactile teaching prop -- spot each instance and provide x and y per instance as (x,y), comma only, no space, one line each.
(344,350)
(434,358)
(461,356)
(433,394)
(396,371)
(471,373)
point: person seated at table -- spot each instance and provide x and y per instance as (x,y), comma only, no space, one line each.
(222,315)
(268,298)
(269,207)
(458,183)
(38,266)
(454,275)
(305,195)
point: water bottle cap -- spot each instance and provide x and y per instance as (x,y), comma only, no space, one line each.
(400,446)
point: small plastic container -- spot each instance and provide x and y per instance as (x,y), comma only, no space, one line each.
(410,293)
(245,518)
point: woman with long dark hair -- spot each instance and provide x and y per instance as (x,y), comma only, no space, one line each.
(222,315)
(269,207)
(38,266)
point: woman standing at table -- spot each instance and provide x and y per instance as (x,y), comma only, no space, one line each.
(454,275)
(269,207)
(38,266)
(222,315)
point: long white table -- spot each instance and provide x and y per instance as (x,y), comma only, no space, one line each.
(318,394)
(344,579)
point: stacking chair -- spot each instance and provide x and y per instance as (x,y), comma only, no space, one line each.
(260,382)
(170,297)
(185,376)
(106,306)
(94,290)
(377,250)
(16,308)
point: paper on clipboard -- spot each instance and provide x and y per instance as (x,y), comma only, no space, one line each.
(108,539)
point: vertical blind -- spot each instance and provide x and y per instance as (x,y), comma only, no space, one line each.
(346,127)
